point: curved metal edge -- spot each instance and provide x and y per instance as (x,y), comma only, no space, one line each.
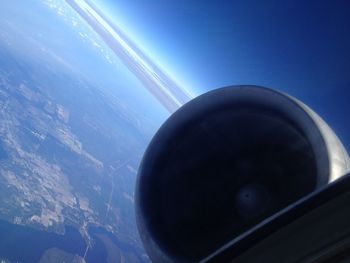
(339,162)
(321,138)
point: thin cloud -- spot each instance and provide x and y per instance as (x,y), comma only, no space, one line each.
(160,85)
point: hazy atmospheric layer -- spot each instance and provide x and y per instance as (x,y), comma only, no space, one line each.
(168,93)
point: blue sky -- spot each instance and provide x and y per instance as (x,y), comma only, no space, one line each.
(300,47)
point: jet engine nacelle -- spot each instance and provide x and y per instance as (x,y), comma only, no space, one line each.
(226,161)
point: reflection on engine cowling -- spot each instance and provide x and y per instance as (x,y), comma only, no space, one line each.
(226,161)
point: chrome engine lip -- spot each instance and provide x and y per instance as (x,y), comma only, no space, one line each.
(332,158)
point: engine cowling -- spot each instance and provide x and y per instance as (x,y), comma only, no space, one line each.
(226,161)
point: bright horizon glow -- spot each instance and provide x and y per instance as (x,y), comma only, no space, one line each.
(163,60)
(150,74)
(93,13)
